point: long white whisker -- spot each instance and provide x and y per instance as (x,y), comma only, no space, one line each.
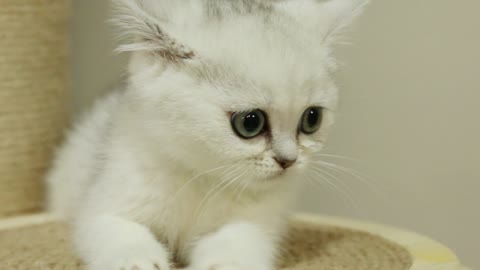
(212,192)
(321,184)
(344,193)
(336,156)
(218,192)
(174,197)
(331,175)
(230,183)
(243,188)
(315,183)
(352,172)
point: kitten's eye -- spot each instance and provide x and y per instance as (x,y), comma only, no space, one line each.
(248,124)
(311,120)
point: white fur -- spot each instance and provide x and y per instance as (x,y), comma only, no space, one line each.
(155,172)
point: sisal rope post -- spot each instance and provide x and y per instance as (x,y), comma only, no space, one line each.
(33,89)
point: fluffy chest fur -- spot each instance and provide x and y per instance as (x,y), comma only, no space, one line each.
(180,208)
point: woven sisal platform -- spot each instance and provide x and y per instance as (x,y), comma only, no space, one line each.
(47,247)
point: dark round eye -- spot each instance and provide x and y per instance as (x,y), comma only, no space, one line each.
(311,120)
(248,124)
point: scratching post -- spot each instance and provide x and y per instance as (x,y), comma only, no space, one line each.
(33,86)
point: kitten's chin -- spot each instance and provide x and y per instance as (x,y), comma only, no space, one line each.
(275,178)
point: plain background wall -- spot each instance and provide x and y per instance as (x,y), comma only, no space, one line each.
(409,113)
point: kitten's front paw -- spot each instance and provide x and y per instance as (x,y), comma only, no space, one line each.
(132,264)
(224,267)
(142,264)
(228,266)
(133,259)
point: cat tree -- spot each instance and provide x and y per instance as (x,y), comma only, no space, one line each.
(33,94)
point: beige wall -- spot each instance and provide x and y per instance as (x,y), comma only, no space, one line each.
(409,113)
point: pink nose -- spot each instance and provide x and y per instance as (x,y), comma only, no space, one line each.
(285,163)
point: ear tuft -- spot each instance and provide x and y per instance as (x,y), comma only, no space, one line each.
(146,32)
(329,18)
(340,14)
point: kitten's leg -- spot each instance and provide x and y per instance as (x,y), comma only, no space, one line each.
(239,246)
(112,243)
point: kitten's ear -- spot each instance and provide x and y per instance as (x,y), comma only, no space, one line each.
(146,32)
(329,17)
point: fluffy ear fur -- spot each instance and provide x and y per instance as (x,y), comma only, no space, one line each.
(330,17)
(146,32)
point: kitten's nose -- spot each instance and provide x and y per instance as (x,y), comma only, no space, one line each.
(285,163)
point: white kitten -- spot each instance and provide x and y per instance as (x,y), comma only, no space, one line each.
(200,157)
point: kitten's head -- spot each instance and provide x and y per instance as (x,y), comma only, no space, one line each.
(236,89)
